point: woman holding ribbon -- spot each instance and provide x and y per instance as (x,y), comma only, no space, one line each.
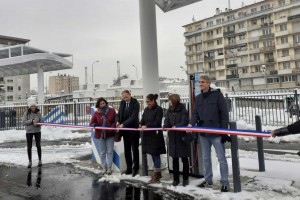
(176,116)
(153,142)
(106,117)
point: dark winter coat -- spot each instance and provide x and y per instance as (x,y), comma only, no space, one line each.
(97,120)
(290,129)
(133,119)
(210,110)
(153,141)
(177,117)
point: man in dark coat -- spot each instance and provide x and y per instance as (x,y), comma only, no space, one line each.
(211,110)
(128,117)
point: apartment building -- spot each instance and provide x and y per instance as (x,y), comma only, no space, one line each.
(250,48)
(63,84)
(13,88)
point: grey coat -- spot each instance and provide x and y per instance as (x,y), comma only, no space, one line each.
(27,119)
(211,111)
(178,117)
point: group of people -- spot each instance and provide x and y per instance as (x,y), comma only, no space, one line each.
(210,110)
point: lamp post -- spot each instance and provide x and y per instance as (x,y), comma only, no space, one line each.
(137,75)
(93,70)
(47,82)
(185,70)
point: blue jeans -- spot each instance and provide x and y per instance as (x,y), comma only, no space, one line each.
(206,143)
(156,161)
(106,151)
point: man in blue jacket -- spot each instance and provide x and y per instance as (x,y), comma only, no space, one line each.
(211,110)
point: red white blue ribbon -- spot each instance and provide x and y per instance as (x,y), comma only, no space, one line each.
(184,129)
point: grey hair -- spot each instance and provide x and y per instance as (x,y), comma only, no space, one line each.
(205,77)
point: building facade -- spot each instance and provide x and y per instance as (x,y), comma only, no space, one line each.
(13,88)
(63,84)
(251,48)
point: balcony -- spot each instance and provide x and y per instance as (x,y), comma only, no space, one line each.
(267,24)
(207,58)
(280,20)
(188,43)
(190,62)
(267,36)
(273,72)
(221,78)
(294,17)
(267,49)
(219,57)
(188,53)
(296,71)
(227,33)
(242,53)
(198,41)
(222,67)
(255,62)
(231,55)
(220,35)
(231,65)
(285,71)
(253,27)
(281,33)
(284,46)
(297,56)
(252,51)
(284,59)
(269,60)
(243,64)
(232,76)
(253,39)
(242,41)
(210,48)
(241,30)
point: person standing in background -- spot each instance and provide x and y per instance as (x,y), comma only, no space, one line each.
(30,119)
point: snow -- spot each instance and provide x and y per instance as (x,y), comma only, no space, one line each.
(281,180)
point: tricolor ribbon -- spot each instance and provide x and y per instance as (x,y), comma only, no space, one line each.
(184,129)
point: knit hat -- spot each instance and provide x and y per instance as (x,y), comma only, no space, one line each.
(30,104)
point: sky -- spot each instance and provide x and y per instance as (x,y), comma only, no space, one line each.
(107,31)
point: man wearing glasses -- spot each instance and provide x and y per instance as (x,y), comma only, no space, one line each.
(211,111)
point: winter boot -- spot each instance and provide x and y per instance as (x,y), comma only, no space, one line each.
(40,163)
(29,164)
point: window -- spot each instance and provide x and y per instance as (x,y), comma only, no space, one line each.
(200,68)
(283,27)
(211,65)
(267,31)
(297,39)
(253,10)
(264,7)
(230,17)
(19,96)
(199,47)
(286,65)
(253,22)
(219,21)
(242,37)
(242,14)
(255,45)
(198,38)
(210,44)
(268,43)
(10,88)
(244,59)
(281,2)
(19,88)
(209,24)
(10,98)
(210,34)
(284,40)
(241,25)
(297,51)
(287,78)
(244,70)
(220,62)
(220,52)
(233,61)
(230,28)
(256,57)
(298,64)
(285,53)
(211,54)
(219,41)
(218,31)
(10,80)
(199,57)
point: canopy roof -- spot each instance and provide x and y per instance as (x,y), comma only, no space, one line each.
(168,5)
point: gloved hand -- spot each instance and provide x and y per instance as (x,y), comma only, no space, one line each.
(225,138)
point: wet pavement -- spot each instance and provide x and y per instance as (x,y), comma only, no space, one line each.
(59,181)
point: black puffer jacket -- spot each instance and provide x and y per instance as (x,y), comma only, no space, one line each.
(153,141)
(290,129)
(177,117)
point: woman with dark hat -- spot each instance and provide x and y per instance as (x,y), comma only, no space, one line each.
(30,119)
(106,117)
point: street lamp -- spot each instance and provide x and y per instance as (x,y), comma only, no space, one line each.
(93,70)
(47,82)
(183,69)
(137,75)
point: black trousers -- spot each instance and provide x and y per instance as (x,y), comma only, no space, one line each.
(185,168)
(131,143)
(37,137)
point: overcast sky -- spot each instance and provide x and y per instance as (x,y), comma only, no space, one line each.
(107,31)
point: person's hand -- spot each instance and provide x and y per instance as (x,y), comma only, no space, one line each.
(189,125)
(143,127)
(117,124)
(121,126)
(273,134)
(35,122)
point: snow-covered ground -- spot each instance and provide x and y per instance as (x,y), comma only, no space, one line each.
(281,180)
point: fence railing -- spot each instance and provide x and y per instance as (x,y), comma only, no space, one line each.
(275,110)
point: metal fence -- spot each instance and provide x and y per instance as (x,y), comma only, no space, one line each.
(276,109)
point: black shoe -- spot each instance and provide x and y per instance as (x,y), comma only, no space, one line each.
(224,188)
(205,184)
(135,173)
(127,172)
(185,183)
(175,183)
